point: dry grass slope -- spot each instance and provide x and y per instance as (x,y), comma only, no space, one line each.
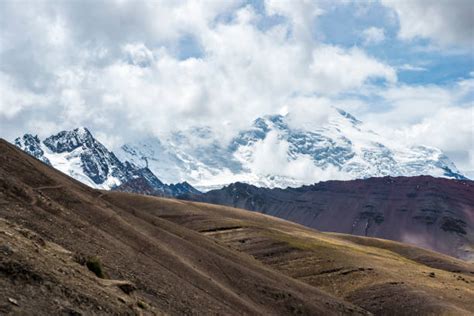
(179,257)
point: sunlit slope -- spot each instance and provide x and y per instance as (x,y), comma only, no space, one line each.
(175,270)
(378,275)
(193,258)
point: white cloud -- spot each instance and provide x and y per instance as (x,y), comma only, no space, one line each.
(309,112)
(14,99)
(451,129)
(116,69)
(100,72)
(445,22)
(409,67)
(338,70)
(373,35)
(432,129)
(441,117)
(410,104)
(138,54)
(271,158)
(300,13)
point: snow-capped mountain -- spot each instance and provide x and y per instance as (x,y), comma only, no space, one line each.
(281,151)
(78,154)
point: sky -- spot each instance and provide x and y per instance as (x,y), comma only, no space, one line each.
(126,69)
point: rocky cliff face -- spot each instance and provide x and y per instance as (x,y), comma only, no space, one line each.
(78,154)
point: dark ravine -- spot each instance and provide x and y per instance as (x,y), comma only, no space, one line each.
(434,213)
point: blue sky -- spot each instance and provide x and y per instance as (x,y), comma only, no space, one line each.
(440,66)
(404,67)
(343,24)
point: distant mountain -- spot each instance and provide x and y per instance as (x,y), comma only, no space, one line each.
(429,212)
(281,151)
(78,154)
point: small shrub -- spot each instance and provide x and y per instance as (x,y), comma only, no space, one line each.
(94,265)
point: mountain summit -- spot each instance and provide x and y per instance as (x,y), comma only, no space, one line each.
(275,151)
(287,150)
(78,154)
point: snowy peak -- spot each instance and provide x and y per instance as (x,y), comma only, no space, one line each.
(293,149)
(338,147)
(78,154)
(275,151)
(32,145)
(183,188)
(67,141)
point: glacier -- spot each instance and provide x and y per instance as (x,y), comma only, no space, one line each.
(276,151)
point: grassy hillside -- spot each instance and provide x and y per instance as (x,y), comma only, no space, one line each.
(174,257)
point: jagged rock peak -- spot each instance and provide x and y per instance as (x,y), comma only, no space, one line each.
(70,140)
(32,145)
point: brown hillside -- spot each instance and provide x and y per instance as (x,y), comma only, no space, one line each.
(428,212)
(175,257)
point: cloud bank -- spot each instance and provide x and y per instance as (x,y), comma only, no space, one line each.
(446,22)
(129,69)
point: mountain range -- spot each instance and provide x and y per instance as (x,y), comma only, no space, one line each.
(78,154)
(276,151)
(285,150)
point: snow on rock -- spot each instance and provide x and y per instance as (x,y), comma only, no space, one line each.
(280,151)
(78,154)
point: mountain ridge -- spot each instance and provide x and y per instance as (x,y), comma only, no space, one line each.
(276,151)
(78,154)
(286,150)
(434,213)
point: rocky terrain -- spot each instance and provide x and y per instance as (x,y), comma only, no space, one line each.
(78,154)
(69,249)
(285,150)
(433,213)
(274,151)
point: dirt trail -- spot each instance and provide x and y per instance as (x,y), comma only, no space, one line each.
(59,186)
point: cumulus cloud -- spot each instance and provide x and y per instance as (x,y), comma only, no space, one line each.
(441,117)
(271,158)
(135,68)
(338,70)
(309,113)
(445,22)
(138,54)
(14,99)
(300,13)
(373,35)
(118,63)
(432,129)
